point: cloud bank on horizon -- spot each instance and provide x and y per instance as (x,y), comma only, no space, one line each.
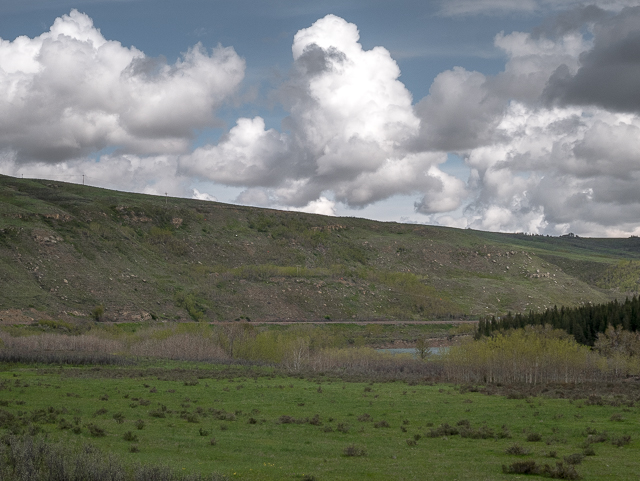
(551,142)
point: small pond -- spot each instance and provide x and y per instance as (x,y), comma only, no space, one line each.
(411,350)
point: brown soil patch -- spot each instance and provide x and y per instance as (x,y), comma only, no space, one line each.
(21,316)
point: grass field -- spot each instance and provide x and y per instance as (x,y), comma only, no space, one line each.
(256,423)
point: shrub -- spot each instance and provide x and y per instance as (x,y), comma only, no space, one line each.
(203,432)
(64,424)
(129,436)
(381,424)
(483,432)
(573,459)
(534,437)
(213,441)
(621,441)
(192,304)
(598,438)
(522,467)
(34,430)
(98,312)
(442,430)
(561,471)
(354,451)
(139,424)
(96,431)
(517,450)
(119,418)
(192,418)
(616,417)
(343,427)
(365,418)
(411,442)
(588,451)
(285,419)
(134,448)
(315,420)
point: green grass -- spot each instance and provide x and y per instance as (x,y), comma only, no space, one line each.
(243,410)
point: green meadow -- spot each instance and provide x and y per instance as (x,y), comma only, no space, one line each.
(260,423)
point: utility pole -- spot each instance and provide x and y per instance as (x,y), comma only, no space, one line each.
(82,179)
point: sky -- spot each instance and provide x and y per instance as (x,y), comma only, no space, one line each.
(498,115)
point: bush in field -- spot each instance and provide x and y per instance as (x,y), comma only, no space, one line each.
(575,458)
(517,450)
(621,441)
(354,451)
(522,467)
(534,437)
(443,430)
(96,431)
(560,471)
(98,312)
(343,428)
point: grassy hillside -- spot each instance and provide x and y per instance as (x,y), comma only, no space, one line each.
(65,249)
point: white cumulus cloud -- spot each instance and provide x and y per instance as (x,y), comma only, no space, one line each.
(350,131)
(70,92)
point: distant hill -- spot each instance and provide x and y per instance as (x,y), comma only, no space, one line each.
(66,249)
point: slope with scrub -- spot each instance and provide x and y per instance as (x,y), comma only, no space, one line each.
(66,250)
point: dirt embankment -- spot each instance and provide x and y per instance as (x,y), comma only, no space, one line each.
(21,316)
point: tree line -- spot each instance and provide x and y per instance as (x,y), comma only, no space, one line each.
(584,323)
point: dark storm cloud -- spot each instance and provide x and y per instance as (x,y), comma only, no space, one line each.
(609,73)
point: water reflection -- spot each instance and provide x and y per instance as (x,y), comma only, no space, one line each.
(412,350)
